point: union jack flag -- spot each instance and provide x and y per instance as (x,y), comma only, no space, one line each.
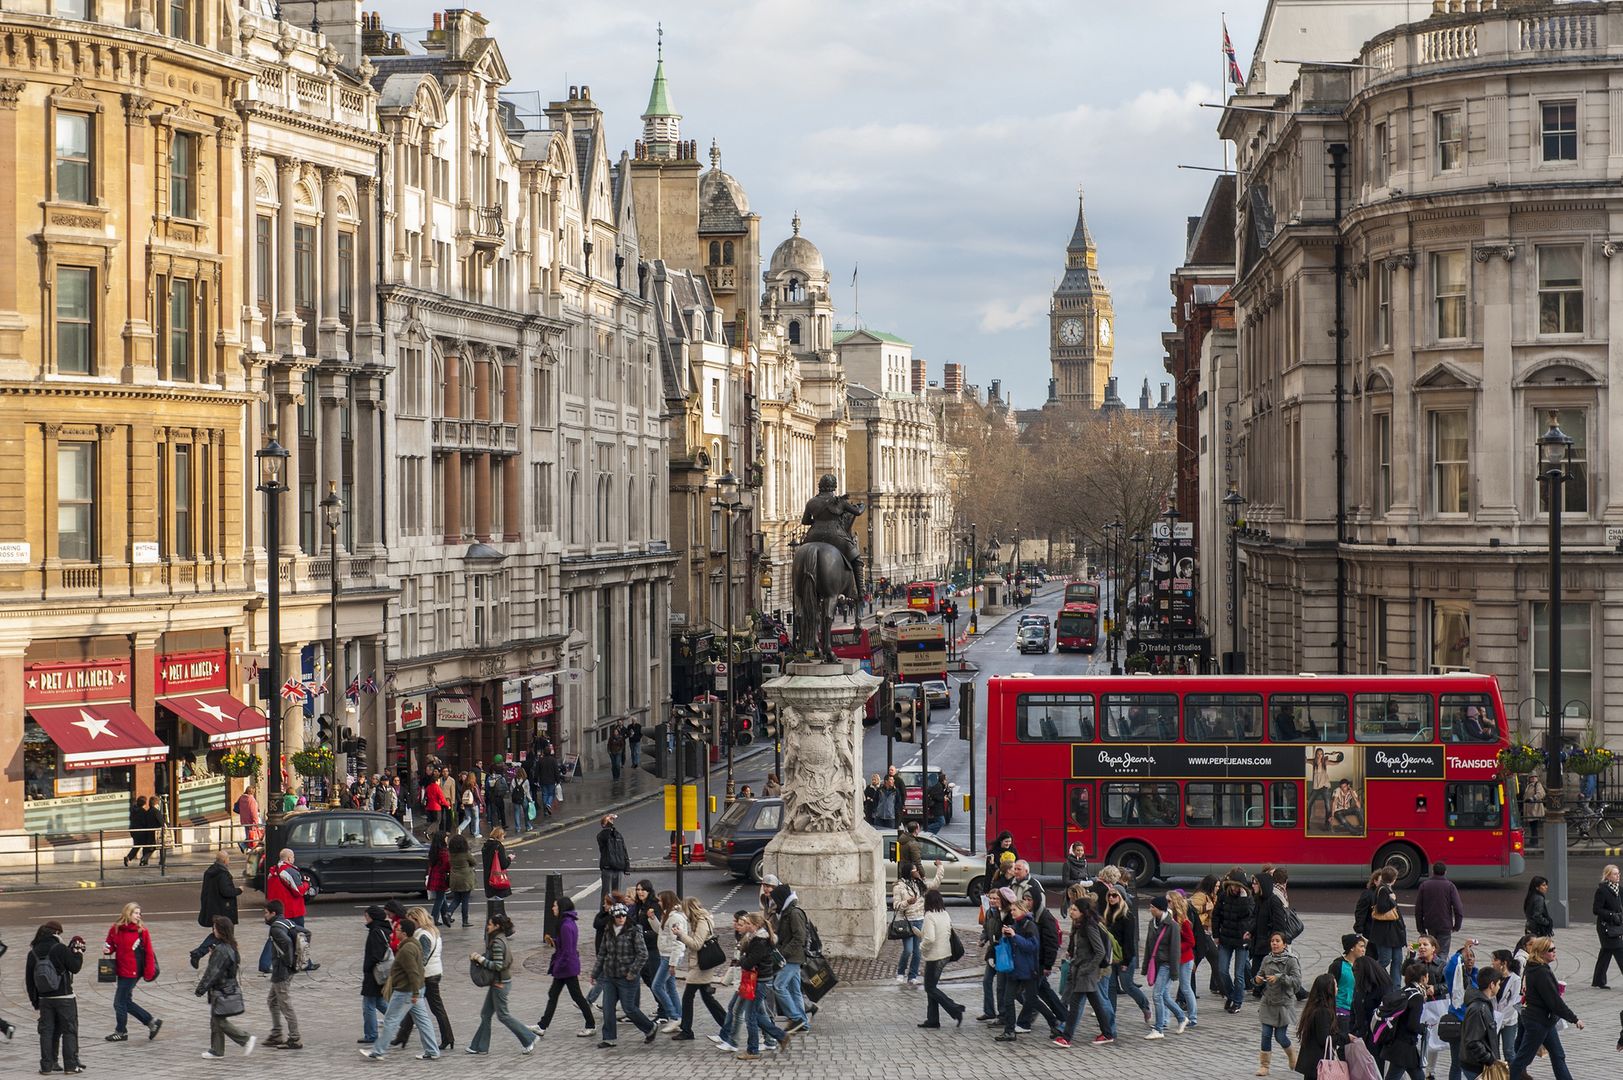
(370,685)
(293,690)
(353,690)
(1234,65)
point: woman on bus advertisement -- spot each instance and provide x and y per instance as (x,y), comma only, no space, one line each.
(1340,775)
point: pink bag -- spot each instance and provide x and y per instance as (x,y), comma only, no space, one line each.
(1360,1064)
(1331,1068)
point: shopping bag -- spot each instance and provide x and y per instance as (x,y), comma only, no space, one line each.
(1361,1063)
(817,977)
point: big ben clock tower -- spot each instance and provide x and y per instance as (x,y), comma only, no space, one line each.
(1081,324)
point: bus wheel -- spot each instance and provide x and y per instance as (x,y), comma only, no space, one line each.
(1405,860)
(1137,858)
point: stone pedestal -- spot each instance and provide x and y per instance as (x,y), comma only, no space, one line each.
(994,602)
(824,850)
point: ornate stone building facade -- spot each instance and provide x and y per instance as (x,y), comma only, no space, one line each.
(1474,152)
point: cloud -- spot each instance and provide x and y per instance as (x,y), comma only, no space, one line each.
(999,315)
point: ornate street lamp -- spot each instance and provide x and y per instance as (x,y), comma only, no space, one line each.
(332,508)
(1233,503)
(727,501)
(1555,462)
(272,459)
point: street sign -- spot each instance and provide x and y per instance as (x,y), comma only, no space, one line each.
(767,646)
(690,807)
(1614,534)
(721,670)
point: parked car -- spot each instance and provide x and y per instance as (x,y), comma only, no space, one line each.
(353,851)
(738,838)
(1032,639)
(936,693)
(962,874)
(911,780)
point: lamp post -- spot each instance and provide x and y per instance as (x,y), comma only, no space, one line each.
(1234,502)
(1555,459)
(332,508)
(272,459)
(1113,557)
(974,553)
(1137,540)
(727,501)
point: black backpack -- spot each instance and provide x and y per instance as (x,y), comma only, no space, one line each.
(1383,1029)
(48,977)
(814,940)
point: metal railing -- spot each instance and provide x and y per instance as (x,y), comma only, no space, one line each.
(87,859)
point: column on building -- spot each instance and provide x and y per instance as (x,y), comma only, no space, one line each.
(331,327)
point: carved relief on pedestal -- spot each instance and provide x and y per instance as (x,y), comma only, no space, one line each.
(819,789)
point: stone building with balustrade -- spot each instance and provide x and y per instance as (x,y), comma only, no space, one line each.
(1480,227)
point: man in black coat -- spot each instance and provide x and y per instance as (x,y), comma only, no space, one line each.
(57,1007)
(374,953)
(220,892)
(612,859)
(1042,998)
(547,776)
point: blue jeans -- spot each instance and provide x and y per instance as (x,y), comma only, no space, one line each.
(402,1002)
(1121,982)
(757,1021)
(1535,1035)
(372,1009)
(786,985)
(1235,963)
(1102,1012)
(1186,987)
(989,991)
(936,825)
(1271,1034)
(1163,999)
(1391,958)
(911,958)
(623,993)
(617,762)
(124,1005)
(736,1008)
(549,792)
(439,908)
(665,994)
(496,1006)
(636,753)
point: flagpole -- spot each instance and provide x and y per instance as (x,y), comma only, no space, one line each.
(1223,19)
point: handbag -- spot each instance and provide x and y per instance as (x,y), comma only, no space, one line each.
(900,929)
(711,955)
(497,878)
(1361,1062)
(107,969)
(1293,926)
(817,977)
(1329,1067)
(227,1000)
(746,984)
(481,975)
(1003,957)
(1449,1027)
(956,944)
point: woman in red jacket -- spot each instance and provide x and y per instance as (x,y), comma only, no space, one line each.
(439,877)
(130,946)
(1186,954)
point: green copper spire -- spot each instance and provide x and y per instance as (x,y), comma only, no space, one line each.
(659,99)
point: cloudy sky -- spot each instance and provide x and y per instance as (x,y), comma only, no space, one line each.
(938,144)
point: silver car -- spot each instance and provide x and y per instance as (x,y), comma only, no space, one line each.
(936,693)
(962,874)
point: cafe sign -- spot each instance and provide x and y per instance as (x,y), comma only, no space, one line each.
(191,673)
(69,683)
(411,713)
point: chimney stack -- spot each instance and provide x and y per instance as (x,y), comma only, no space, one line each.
(918,375)
(1163,393)
(952,379)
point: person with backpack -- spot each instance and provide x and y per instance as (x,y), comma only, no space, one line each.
(936,946)
(284,942)
(1479,1041)
(522,803)
(286,883)
(1121,919)
(498,886)
(1089,952)
(497,961)
(376,960)
(48,973)
(498,791)
(794,931)
(1544,1007)
(1233,915)
(1278,978)
(1458,974)
(1400,1024)
(224,993)
(129,943)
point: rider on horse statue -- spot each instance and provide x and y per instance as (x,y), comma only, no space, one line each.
(829,516)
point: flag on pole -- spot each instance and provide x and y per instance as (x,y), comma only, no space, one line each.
(353,690)
(854,269)
(293,690)
(1234,65)
(371,684)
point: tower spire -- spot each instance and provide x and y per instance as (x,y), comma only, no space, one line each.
(661,123)
(1080,236)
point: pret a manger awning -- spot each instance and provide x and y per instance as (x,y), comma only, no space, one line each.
(225,720)
(99,735)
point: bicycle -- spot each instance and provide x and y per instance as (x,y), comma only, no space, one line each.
(1590,821)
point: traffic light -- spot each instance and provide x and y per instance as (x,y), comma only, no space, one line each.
(769,724)
(742,735)
(324,730)
(966,711)
(904,719)
(690,721)
(887,709)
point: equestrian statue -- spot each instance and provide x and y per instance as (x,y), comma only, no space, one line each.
(827,566)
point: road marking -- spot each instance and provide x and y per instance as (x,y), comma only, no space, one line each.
(577,897)
(716,910)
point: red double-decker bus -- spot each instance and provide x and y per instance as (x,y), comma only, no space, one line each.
(1081,592)
(1328,775)
(1077,628)
(926,596)
(858,643)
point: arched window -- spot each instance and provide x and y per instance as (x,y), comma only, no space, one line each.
(794,331)
(715,252)
(726,252)
(796,291)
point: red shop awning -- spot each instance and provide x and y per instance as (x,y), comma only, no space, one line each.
(224,719)
(100,735)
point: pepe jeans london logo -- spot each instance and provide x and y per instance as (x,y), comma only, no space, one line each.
(1125,763)
(1408,763)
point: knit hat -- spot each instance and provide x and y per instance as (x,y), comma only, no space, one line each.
(1007,895)
(1159,902)
(619,909)
(1350,940)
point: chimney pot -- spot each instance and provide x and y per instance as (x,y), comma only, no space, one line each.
(585,92)
(439,21)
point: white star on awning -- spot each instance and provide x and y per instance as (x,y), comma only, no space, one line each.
(94,725)
(214,711)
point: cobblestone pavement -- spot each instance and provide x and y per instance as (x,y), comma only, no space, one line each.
(865,1029)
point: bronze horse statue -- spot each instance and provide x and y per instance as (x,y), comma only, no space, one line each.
(820,577)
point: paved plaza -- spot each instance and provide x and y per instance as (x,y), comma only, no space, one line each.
(865,1029)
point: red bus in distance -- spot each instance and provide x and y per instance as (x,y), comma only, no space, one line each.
(926,596)
(1081,592)
(855,643)
(1329,775)
(1077,628)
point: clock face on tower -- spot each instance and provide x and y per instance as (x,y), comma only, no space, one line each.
(1104,331)
(1070,332)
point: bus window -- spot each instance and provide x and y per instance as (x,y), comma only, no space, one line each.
(1141,717)
(1222,718)
(1392,717)
(1139,804)
(1081,808)
(1222,805)
(1282,803)
(1307,718)
(1474,805)
(1469,718)
(1055,717)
